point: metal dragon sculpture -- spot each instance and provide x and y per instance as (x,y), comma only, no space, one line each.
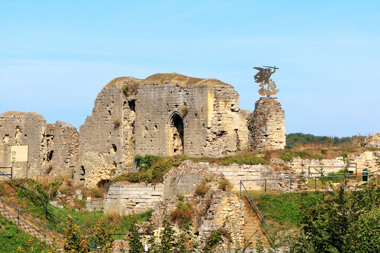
(262,77)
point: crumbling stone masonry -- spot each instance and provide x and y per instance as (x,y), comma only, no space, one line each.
(52,148)
(168,114)
(267,125)
(164,114)
(176,114)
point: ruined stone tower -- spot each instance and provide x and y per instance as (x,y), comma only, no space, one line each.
(267,125)
(168,114)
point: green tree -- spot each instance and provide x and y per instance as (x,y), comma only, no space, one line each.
(104,235)
(134,239)
(344,218)
(74,242)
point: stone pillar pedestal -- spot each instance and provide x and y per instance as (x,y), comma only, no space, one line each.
(266,125)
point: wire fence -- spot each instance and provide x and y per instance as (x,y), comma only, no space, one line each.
(300,184)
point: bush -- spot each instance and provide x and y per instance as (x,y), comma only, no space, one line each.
(202,189)
(152,169)
(130,87)
(183,214)
(217,237)
(225,185)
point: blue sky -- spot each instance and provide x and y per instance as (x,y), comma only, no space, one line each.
(56,56)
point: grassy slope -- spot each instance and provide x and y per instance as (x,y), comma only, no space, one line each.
(13,239)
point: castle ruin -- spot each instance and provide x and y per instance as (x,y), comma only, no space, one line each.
(164,114)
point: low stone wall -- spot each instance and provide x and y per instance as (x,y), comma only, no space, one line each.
(128,198)
(234,173)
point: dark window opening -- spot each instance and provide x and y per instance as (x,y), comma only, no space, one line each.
(83,170)
(178,143)
(132,105)
(49,155)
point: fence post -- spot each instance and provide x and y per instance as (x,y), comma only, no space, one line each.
(315,184)
(18,217)
(240,188)
(290,184)
(265,187)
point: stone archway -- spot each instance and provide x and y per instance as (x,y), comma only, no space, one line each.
(177,133)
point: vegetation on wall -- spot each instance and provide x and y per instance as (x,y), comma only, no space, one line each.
(152,169)
(130,87)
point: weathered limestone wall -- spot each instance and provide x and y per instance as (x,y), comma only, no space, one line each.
(52,149)
(207,108)
(107,136)
(225,208)
(18,129)
(368,160)
(372,141)
(196,171)
(267,125)
(128,198)
(63,149)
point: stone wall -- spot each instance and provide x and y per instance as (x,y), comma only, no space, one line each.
(107,136)
(128,198)
(267,125)
(372,141)
(18,129)
(176,114)
(63,151)
(52,149)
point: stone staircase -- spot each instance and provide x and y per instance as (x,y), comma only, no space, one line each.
(27,223)
(252,228)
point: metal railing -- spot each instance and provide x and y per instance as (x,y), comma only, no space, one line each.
(10,175)
(19,216)
(51,214)
(294,182)
(349,165)
(267,231)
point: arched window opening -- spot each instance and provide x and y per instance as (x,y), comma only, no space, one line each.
(177,130)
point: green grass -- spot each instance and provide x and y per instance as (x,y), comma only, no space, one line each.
(30,201)
(285,209)
(13,239)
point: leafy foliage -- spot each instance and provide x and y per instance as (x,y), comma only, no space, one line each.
(74,241)
(343,219)
(287,155)
(299,139)
(104,234)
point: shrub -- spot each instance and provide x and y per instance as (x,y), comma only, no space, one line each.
(130,87)
(183,214)
(217,237)
(152,169)
(202,189)
(225,185)
(323,151)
